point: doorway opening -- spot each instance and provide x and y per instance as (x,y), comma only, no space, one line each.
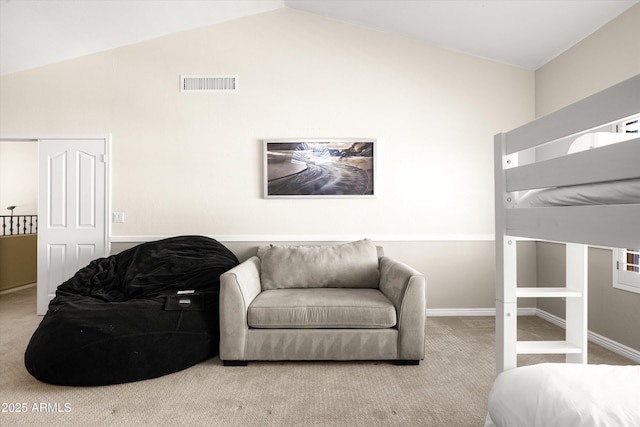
(18,213)
(72,204)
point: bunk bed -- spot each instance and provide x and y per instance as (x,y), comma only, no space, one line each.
(582,195)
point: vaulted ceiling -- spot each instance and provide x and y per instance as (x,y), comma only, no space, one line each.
(525,33)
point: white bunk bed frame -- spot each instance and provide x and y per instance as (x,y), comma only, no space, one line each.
(615,226)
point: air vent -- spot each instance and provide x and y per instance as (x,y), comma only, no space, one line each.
(208,83)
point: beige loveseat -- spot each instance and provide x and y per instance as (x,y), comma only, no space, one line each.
(334,302)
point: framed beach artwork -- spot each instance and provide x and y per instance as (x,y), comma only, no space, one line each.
(316,168)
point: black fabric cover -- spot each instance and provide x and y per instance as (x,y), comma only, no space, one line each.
(120,319)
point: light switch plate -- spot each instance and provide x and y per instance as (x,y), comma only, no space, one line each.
(118,217)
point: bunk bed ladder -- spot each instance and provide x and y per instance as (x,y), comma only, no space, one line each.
(506,304)
(574,346)
(577,328)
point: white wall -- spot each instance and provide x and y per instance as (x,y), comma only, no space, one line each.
(19,177)
(608,56)
(192,163)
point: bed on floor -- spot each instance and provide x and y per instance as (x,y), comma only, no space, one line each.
(560,394)
(572,177)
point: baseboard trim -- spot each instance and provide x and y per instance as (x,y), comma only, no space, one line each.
(602,341)
(615,347)
(551,318)
(460,312)
(17,288)
(471,312)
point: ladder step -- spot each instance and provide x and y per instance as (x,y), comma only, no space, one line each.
(546,347)
(547,293)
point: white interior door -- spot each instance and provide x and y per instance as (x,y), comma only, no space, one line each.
(72,210)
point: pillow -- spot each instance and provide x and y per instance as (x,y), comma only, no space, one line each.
(349,265)
(263,249)
(598,139)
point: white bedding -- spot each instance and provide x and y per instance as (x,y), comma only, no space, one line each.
(602,193)
(559,394)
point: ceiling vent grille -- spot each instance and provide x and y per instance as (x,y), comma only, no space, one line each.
(208,83)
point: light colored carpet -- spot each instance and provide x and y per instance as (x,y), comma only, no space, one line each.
(449,388)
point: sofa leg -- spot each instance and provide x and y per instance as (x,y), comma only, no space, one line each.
(407,362)
(235,363)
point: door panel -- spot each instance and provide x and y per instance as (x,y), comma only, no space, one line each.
(56,255)
(72,205)
(87,190)
(85,253)
(56,203)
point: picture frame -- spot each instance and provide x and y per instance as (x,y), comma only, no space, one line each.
(320,168)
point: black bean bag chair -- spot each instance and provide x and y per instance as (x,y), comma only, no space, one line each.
(148,311)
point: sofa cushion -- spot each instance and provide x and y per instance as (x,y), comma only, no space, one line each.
(349,265)
(321,308)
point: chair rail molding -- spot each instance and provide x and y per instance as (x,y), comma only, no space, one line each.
(317,237)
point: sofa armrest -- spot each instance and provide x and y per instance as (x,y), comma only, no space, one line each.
(238,288)
(406,288)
